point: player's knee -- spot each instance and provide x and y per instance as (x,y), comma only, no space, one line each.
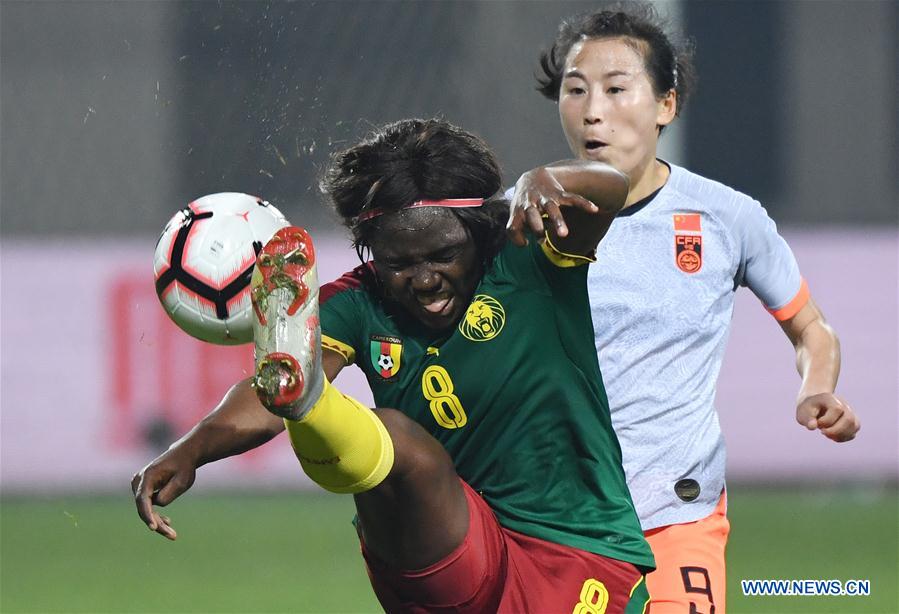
(417,455)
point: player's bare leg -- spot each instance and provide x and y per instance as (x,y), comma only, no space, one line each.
(411,505)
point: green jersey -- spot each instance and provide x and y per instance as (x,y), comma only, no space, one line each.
(513,392)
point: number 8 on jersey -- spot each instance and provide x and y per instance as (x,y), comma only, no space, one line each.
(437,386)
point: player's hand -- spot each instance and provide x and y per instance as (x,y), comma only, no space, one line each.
(160,483)
(539,194)
(829,414)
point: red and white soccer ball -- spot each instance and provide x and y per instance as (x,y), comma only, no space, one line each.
(204,261)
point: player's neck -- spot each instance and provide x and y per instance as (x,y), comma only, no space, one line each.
(653,177)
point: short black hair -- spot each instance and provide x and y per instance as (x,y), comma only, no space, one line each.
(668,59)
(418,159)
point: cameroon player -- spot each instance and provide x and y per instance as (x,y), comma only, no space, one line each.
(489,477)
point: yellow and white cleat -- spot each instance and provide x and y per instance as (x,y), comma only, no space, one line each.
(286,329)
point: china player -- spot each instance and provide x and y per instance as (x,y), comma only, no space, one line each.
(662,292)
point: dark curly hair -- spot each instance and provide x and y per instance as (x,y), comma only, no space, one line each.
(669,60)
(418,159)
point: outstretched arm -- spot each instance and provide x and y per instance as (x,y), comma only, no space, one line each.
(578,198)
(239,423)
(818,362)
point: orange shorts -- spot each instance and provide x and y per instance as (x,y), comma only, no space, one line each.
(689,575)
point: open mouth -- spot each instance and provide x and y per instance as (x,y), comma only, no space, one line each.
(595,145)
(437,305)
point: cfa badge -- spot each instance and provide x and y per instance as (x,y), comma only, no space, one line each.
(688,242)
(483,320)
(688,252)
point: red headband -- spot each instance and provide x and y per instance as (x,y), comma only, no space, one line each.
(447,202)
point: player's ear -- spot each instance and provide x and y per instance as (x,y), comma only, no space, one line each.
(666,108)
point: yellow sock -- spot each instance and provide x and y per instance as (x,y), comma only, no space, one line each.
(342,445)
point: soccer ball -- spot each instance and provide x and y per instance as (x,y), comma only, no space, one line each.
(204,261)
(385,362)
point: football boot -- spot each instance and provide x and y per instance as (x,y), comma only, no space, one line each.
(288,377)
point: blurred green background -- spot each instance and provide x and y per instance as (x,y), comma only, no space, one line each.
(298,552)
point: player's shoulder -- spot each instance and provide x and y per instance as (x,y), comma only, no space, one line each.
(507,261)
(517,266)
(707,193)
(694,192)
(359,281)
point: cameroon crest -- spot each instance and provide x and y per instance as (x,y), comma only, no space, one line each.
(484,319)
(386,355)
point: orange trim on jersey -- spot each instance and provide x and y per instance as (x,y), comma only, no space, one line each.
(792,308)
(560,258)
(329,343)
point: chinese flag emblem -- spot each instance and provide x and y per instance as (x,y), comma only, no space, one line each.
(687,222)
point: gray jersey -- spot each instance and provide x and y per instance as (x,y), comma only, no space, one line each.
(662,294)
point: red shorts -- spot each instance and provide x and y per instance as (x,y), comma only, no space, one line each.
(498,570)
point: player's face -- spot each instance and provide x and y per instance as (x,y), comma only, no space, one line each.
(428,263)
(608,108)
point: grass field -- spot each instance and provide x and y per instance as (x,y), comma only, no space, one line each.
(298,553)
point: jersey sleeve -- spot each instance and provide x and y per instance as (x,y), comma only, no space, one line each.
(767,265)
(541,268)
(559,258)
(552,254)
(341,314)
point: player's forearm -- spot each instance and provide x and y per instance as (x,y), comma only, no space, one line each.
(597,182)
(600,184)
(239,423)
(817,359)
